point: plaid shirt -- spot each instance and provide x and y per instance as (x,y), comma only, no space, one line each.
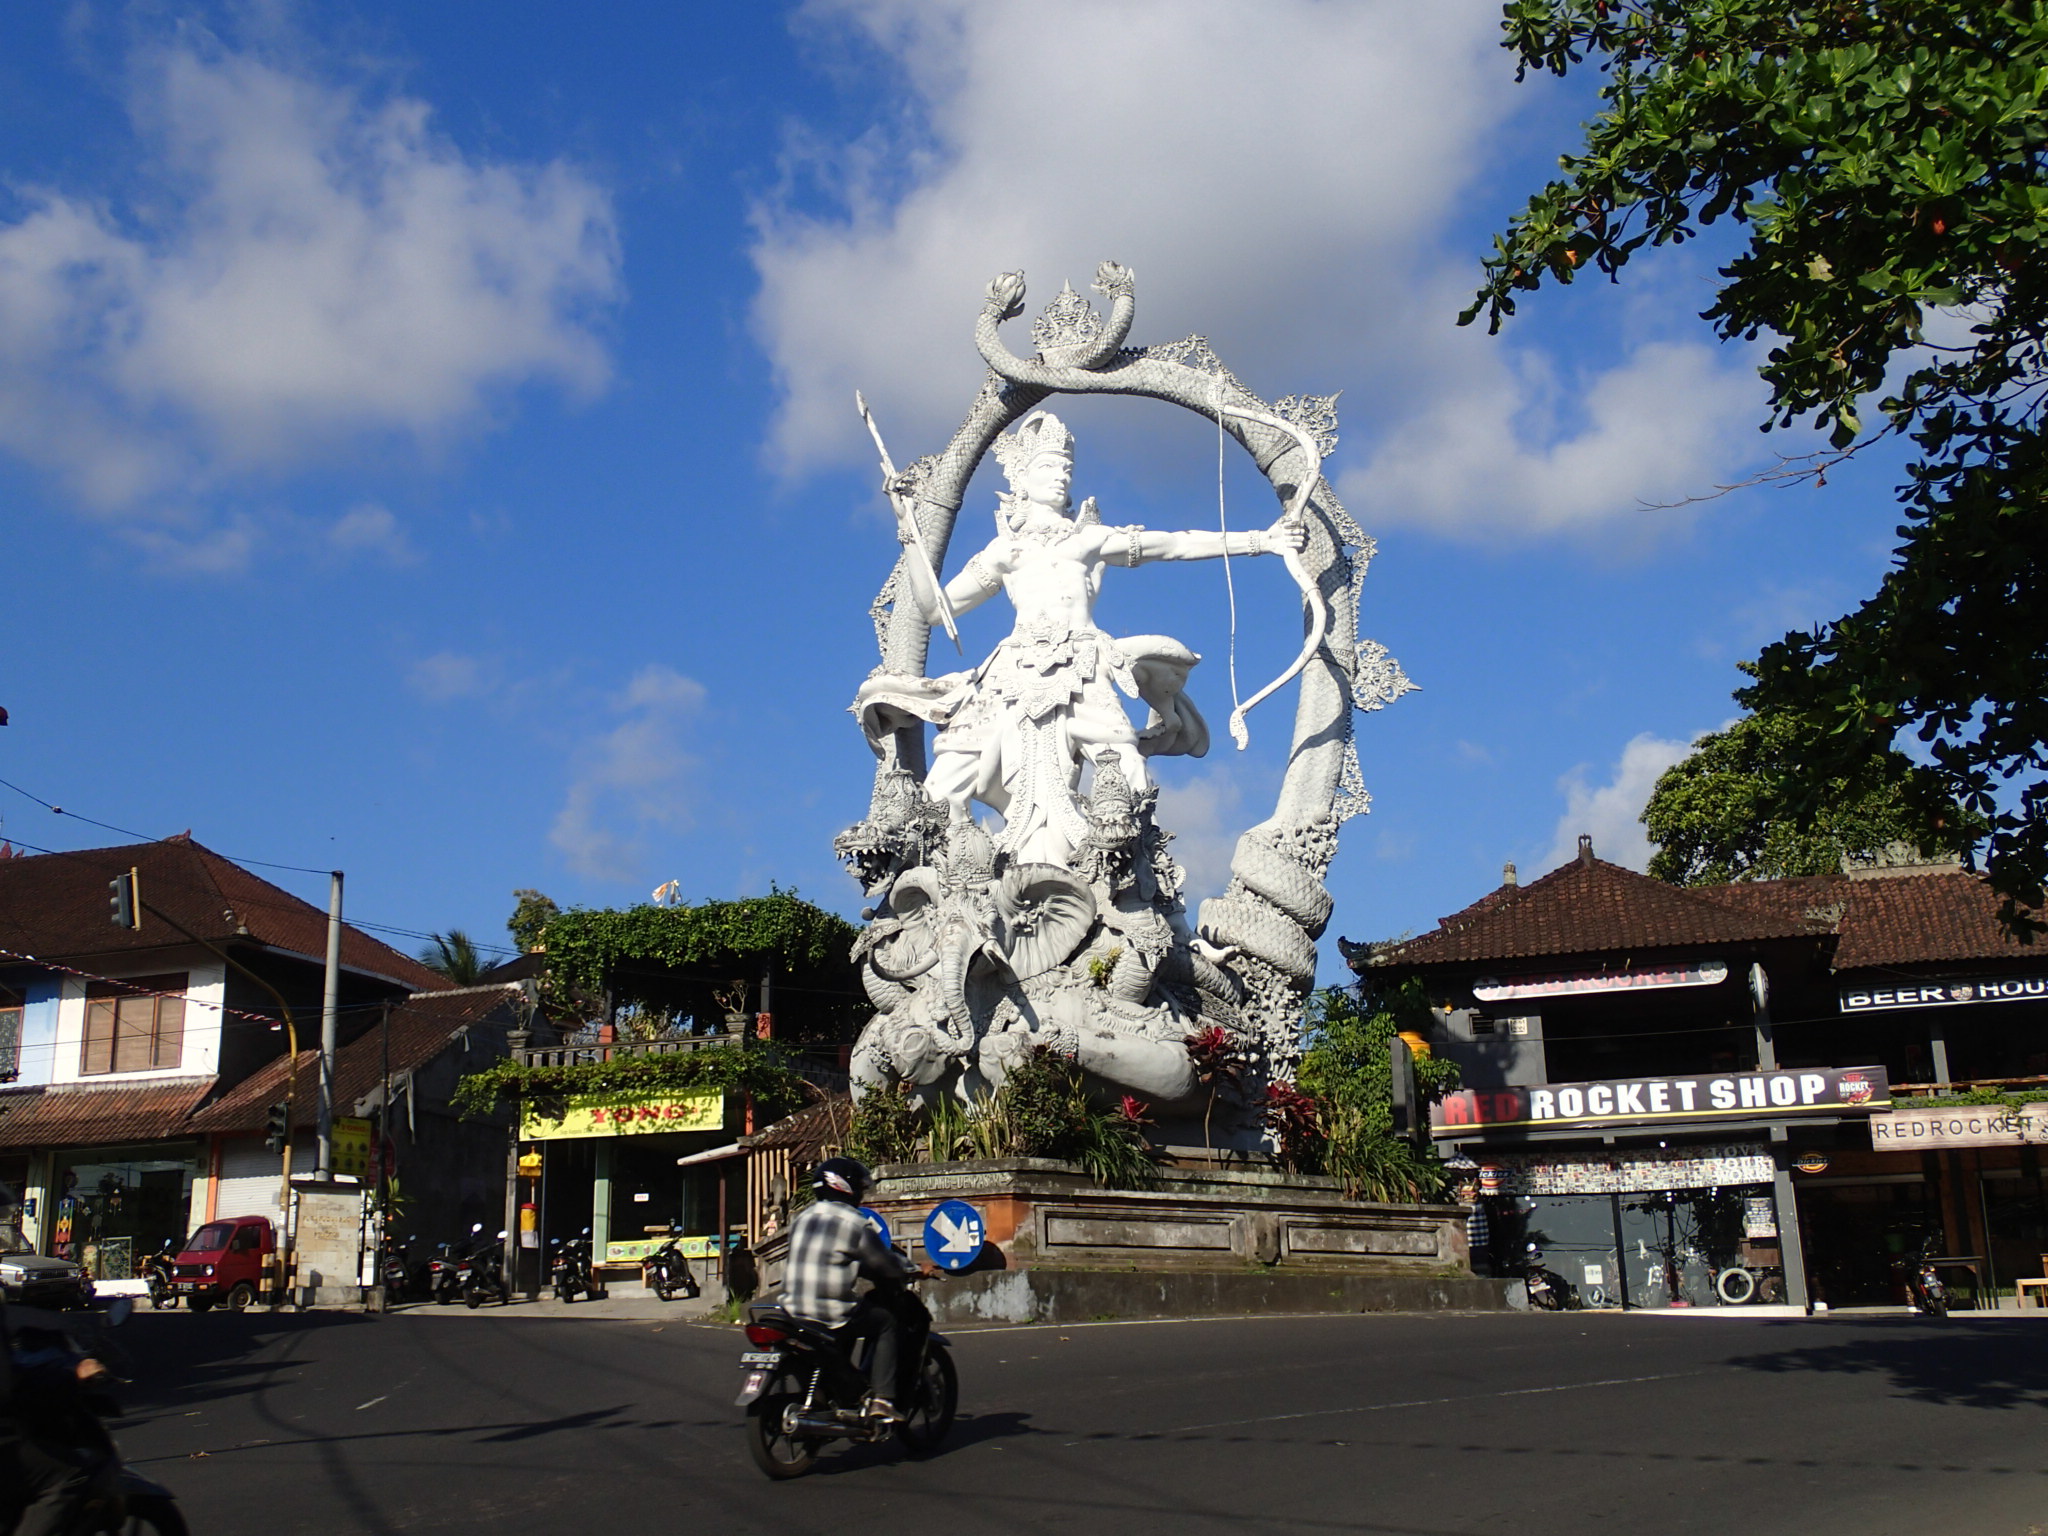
(830,1247)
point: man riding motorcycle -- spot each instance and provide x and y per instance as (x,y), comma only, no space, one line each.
(46,1461)
(832,1247)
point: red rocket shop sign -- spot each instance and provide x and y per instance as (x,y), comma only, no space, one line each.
(1662,1100)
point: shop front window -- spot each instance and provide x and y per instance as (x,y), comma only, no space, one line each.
(118,1205)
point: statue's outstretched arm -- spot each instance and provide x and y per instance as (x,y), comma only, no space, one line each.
(1138,546)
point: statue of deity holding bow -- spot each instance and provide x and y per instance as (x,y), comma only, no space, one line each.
(1067,929)
(1014,731)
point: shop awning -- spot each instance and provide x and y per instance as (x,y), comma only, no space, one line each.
(716,1153)
(90,1115)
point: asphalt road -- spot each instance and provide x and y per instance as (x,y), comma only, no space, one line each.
(1421,1426)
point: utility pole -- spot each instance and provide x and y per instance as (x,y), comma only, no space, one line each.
(330,993)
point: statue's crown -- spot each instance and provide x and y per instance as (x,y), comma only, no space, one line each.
(1040,432)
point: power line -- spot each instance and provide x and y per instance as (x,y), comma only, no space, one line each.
(146,838)
(352,922)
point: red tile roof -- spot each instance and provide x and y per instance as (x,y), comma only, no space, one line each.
(99,1114)
(422,1027)
(1591,907)
(1585,907)
(1911,917)
(53,906)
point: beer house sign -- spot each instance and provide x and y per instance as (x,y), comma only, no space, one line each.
(1663,1100)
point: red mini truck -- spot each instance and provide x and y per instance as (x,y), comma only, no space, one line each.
(226,1261)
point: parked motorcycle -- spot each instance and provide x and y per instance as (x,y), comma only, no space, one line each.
(802,1391)
(570,1271)
(1924,1287)
(395,1270)
(667,1271)
(481,1274)
(160,1274)
(1548,1290)
(117,1498)
(444,1273)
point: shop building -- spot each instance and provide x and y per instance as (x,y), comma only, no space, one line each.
(392,1090)
(112,1038)
(1688,1096)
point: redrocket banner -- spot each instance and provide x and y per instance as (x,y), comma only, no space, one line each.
(1655,1100)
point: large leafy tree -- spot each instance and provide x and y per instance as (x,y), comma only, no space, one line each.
(1719,815)
(1885,161)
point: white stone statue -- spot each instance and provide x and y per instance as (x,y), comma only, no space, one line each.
(1065,928)
(1015,730)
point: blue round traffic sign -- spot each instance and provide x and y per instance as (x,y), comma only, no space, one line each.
(954,1234)
(874,1219)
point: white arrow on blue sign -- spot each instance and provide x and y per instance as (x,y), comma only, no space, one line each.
(874,1219)
(954,1234)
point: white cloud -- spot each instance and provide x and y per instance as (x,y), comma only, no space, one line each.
(632,780)
(372,530)
(303,263)
(183,550)
(1486,455)
(1205,813)
(1284,177)
(449,675)
(1272,172)
(1608,812)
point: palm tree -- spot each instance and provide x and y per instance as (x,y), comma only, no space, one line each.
(455,956)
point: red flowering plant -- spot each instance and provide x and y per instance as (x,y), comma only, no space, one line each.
(1219,1064)
(1294,1121)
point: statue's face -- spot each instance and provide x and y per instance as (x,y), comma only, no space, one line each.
(1046,478)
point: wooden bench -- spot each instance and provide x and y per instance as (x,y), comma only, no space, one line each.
(2038,1285)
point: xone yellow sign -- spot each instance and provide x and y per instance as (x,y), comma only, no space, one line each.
(627,1114)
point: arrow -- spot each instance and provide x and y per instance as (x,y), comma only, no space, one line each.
(960,1237)
(907,517)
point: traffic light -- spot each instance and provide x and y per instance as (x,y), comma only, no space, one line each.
(278,1128)
(124,901)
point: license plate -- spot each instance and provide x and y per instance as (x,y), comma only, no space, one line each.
(761,1357)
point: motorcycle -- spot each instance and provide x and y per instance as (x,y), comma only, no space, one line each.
(160,1274)
(1924,1287)
(481,1274)
(394,1268)
(667,1271)
(444,1274)
(570,1271)
(118,1498)
(802,1391)
(1548,1290)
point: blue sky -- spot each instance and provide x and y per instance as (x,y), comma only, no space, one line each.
(426,442)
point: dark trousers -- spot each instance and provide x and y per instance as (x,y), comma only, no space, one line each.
(898,1322)
(50,1482)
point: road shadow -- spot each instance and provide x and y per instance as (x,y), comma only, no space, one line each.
(968,1429)
(177,1360)
(1988,1365)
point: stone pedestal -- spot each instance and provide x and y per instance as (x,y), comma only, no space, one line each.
(1198,1243)
(328,1244)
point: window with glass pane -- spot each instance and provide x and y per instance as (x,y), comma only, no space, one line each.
(10,1039)
(135,1026)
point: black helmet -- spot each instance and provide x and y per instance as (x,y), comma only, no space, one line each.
(842,1179)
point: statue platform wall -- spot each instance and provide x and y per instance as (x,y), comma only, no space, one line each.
(1201,1242)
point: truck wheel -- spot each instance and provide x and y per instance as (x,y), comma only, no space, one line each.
(242,1297)
(202,1301)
